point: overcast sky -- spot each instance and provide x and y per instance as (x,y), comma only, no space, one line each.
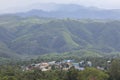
(108,4)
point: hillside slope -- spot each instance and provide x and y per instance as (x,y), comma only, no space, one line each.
(36,36)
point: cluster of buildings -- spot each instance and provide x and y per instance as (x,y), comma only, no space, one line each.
(62,65)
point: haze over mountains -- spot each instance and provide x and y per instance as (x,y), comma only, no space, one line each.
(62,28)
(66,10)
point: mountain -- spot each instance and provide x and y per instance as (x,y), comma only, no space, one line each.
(70,11)
(35,36)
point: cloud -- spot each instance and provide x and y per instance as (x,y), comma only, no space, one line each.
(109,4)
(98,3)
(9,4)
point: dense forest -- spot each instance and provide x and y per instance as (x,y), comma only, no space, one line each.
(21,37)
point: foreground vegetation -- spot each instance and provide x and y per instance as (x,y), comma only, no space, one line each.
(14,72)
(72,74)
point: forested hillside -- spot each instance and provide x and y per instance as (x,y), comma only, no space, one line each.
(36,36)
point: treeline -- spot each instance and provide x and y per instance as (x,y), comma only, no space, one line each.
(14,72)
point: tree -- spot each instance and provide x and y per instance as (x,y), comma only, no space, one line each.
(72,74)
(115,69)
(92,74)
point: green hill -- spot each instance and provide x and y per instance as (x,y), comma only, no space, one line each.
(36,36)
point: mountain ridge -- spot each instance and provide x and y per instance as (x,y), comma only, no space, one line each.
(70,11)
(38,36)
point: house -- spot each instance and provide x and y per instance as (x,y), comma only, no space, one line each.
(100,68)
(52,63)
(89,64)
(76,66)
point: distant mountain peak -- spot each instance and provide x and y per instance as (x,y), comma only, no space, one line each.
(68,11)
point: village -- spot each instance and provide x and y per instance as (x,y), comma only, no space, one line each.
(62,65)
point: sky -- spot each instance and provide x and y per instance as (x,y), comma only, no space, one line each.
(9,5)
